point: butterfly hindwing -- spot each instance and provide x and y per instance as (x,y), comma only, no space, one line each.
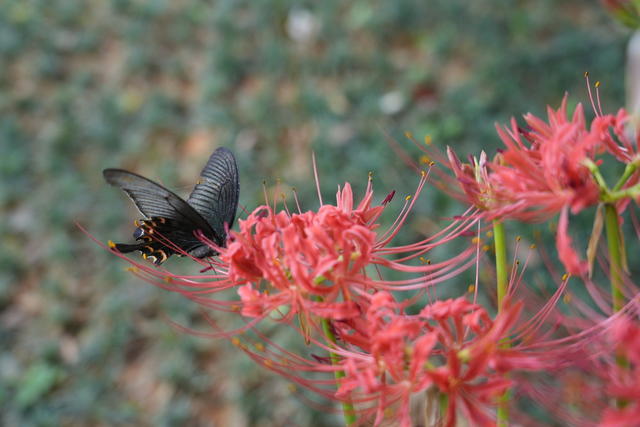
(215,196)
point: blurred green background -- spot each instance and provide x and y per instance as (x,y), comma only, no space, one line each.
(155,87)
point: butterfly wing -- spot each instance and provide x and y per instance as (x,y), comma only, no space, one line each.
(215,196)
(153,200)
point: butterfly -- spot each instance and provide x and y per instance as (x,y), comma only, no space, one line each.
(171,222)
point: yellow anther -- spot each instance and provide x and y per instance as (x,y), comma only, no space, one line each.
(235,341)
(471,288)
(597,85)
(111,244)
(566,298)
(489,233)
(168,279)
(132,269)
(292,388)
(424,159)
(565,276)
(586,74)
(486,248)
(408,134)
(408,197)
(259,346)
(476,240)
(427,140)
(518,238)
(532,246)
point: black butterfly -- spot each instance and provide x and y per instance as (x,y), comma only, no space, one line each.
(210,208)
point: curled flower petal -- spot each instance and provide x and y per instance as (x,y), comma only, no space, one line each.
(568,256)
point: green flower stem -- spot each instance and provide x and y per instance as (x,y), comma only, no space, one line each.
(631,192)
(500,243)
(501,261)
(614,241)
(628,171)
(595,171)
(444,405)
(347,407)
(616,259)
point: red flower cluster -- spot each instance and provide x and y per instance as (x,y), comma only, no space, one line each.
(315,263)
(545,170)
(452,346)
(312,262)
(624,374)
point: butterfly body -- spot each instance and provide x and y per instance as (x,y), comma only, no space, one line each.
(171,224)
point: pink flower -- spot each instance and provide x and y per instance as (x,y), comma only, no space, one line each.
(542,169)
(624,377)
(567,254)
(452,345)
(314,263)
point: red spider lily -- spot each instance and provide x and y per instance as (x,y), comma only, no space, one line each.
(453,346)
(622,147)
(315,263)
(475,182)
(542,172)
(624,377)
(542,169)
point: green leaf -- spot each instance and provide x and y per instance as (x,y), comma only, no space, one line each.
(36,382)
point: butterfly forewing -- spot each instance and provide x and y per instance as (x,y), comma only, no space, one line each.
(153,200)
(215,196)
